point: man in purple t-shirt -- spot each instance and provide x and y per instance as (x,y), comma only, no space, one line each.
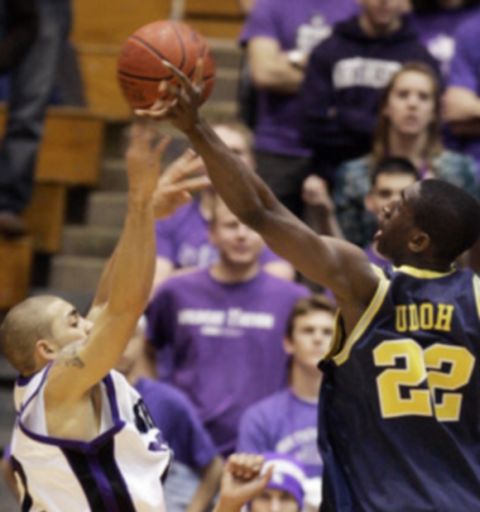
(286,422)
(220,330)
(182,239)
(279,35)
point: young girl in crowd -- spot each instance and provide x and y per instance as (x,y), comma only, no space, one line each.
(409,126)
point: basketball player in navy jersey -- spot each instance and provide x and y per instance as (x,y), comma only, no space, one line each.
(83,439)
(400,402)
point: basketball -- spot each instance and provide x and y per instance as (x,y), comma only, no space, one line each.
(140,68)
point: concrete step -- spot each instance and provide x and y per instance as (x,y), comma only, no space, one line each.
(79,274)
(219,110)
(227,53)
(226,85)
(114,172)
(107,209)
(89,240)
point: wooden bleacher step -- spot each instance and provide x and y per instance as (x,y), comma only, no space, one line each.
(15,270)
(45,216)
(71,149)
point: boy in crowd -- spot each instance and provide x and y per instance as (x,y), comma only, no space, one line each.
(286,422)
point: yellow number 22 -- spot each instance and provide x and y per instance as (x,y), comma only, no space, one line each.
(444,368)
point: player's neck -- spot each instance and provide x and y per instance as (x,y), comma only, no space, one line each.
(306,382)
(424,262)
(226,272)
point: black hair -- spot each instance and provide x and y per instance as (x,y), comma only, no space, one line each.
(393,165)
(449,215)
(429,6)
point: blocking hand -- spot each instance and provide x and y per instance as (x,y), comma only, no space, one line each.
(181,107)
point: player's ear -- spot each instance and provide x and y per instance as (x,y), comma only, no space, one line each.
(45,350)
(419,241)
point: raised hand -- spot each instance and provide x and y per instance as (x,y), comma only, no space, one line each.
(143,160)
(176,184)
(241,481)
(315,193)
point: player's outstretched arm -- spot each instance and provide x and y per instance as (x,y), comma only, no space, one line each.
(175,186)
(332,263)
(81,366)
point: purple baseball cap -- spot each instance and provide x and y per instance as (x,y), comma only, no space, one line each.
(288,475)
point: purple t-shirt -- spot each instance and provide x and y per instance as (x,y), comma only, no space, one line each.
(295,24)
(183,239)
(465,72)
(178,421)
(222,343)
(282,423)
(436,30)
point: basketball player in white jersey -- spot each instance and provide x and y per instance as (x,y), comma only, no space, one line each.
(83,439)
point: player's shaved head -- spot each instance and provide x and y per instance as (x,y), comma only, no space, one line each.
(449,215)
(24,325)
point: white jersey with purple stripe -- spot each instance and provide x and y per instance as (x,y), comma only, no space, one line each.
(120,470)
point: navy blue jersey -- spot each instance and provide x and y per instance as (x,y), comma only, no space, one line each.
(399,416)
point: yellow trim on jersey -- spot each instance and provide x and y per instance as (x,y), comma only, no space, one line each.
(378,271)
(364,322)
(423,273)
(476,292)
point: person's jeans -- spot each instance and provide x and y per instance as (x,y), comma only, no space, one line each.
(31,84)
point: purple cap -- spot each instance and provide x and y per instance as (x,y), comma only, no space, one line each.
(288,475)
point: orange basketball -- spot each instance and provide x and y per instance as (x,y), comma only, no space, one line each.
(140,68)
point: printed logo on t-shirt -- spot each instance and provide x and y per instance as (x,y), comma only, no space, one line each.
(442,47)
(301,444)
(312,33)
(361,72)
(230,322)
(201,256)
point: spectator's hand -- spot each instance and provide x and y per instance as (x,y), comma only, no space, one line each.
(182,107)
(315,193)
(143,161)
(241,481)
(460,104)
(176,184)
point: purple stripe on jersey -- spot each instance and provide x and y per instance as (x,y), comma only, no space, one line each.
(101,479)
(35,393)
(112,398)
(103,484)
(23,381)
(81,446)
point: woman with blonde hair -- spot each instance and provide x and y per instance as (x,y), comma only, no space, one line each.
(409,126)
